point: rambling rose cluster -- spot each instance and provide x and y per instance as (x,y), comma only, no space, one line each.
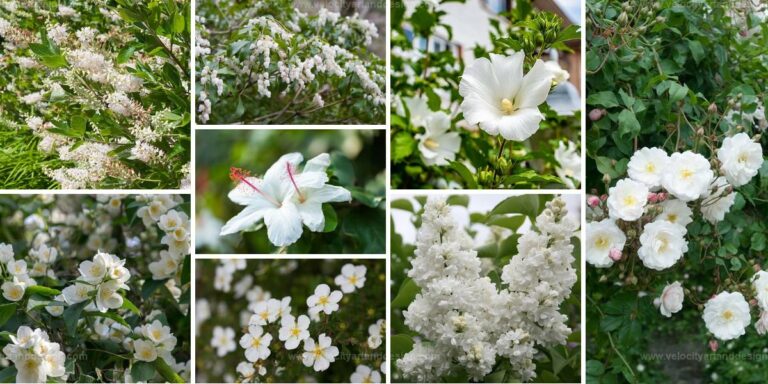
(649,211)
(465,318)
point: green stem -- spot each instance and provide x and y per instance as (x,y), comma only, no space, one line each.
(166,372)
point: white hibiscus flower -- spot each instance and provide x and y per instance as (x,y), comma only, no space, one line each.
(437,145)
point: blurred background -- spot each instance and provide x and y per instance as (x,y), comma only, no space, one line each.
(357,163)
(257,280)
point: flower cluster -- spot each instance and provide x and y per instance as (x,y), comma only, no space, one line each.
(286,198)
(176,226)
(284,64)
(36,358)
(465,317)
(99,283)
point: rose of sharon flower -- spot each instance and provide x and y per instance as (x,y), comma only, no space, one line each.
(688,176)
(418,109)
(727,315)
(500,99)
(676,212)
(662,244)
(741,158)
(627,200)
(718,202)
(671,300)
(437,145)
(647,166)
(285,198)
(602,237)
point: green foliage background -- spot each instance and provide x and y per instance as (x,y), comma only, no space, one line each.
(656,75)
(360,225)
(347,327)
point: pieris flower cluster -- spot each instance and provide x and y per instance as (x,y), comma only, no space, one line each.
(658,193)
(35,357)
(465,318)
(286,199)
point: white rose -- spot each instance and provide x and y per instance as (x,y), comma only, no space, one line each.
(647,165)
(676,212)
(727,315)
(602,236)
(671,300)
(760,284)
(741,158)
(662,244)
(716,204)
(761,325)
(627,199)
(687,176)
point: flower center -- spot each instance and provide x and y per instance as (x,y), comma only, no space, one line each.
(507,106)
(661,245)
(323,300)
(156,334)
(256,342)
(431,144)
(629,200)
(147,354)
(264,315)
(293,181)
(727,314)
(367,380)
(742,158)
(352,279)
(650,168)
(295,331)
(601,242)
(237,174)
(672,218)
(686,174)
(31,364)
(318,352)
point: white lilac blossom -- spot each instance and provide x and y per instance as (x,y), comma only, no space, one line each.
(740,158)
(35,357)
(437,145)
(569,164)
(671,300)
(727,315)
(676,212)
(602,237)
(285,198)
(662,244)
(466,318)
(687,176)
(627,200)
(500,99)
(647,165)
(352,277)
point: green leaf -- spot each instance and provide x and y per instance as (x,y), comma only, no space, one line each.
(343,168)
(405,295)
(697,50)
(403,204)
(677,92)
(628,124)
(523,204)
(605,99)
(331,220)
(178,23)
(127,304)
(149,287)
(108,315)
(462,200)
(509,222)
(758,241)
(365,197)
(143,371)
(401,344)
(186,270)
(72,315)
(41,290)
(77,124)
(465,174)
(595,368)
(495,377)
(8,375)
(6,312)
(403,145)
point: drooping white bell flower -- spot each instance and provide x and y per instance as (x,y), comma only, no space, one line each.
(285,198)
(500,99)
(676,212)
(602,237)
(671,300)
(436,144)
(647,165)
(627,200)
(727,315)
(687,176)
(662,244)
(740,158)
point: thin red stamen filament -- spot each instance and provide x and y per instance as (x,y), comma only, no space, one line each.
(237,174)
(293,181)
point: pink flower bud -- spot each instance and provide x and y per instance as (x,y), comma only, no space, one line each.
(604,197)
(615,254)
(743,33)
(653,197)
(593,201)
(753,302)
(713,345)
(661,196)
(596,114)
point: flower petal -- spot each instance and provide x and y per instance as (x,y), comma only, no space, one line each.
(312,215)
(244,194)
(535,87)
(328,194)
(276,182)
(318,163)
(245,219)
(521,124)
(509,72)
(283,225)
(476,110)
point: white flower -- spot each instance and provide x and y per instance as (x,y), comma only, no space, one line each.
(144,350)
(293,331)
(500,99)
(107,296)
(671,300)
(14,290)
(285,198)
(34,356)
(741,158)
(627,200)
(676,212)
(727,315)
(602,237)
(687,176)
(351,278)
(165,267)
(761,325)
(559,75)
(662,244)
(256,343)
(223,340)
(172,220)
(760,284)
(157,332)
(265,312)
(364,374)
(375,333)
(6,253)
(569,164)
(437,145)
(324,300)
(417,108)
(716,203)
(77,293)
(319,355)
(647,165)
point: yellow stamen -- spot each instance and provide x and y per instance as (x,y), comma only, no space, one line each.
(507,106)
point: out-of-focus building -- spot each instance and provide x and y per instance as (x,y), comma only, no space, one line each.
(471,25)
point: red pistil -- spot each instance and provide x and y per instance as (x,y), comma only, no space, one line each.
(241,175)
(293,181)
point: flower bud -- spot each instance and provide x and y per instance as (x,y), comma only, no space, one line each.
(604,197)
(593,201)
(615,254)
(660,19)
(712,108)
(606,179)
(661,196)
(623,18)
(653,197)
(713,345)
(597,114)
